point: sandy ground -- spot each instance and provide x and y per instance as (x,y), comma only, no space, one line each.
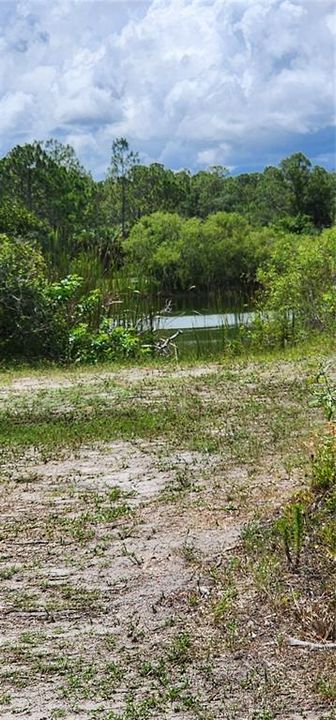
(107,612)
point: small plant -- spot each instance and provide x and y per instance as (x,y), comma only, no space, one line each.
(291,527)
(7,573)
(105,343)
(224,605)
(325,394)
(324,466)
(179,651)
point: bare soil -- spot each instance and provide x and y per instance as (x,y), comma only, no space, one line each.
(113,564)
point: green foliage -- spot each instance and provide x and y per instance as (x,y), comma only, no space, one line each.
(173,253)
(324,466)
(324,460)
(291,527)
(298,289)
(38,318)
(295,170)
(64,290)
(153,248)
(231,250)
(47,179)
(17,221)
(163,231)
(325,394)
(122,162)
(106,343)
(24,311)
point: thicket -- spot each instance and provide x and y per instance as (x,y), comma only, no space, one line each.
(69,245)
(297,295)
(56,320)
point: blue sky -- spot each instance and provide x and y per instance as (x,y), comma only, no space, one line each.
(189,83)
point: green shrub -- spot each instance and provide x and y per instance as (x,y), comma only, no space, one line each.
(106,343)
(298,293)
(324,466)
(55,320)
(25,313)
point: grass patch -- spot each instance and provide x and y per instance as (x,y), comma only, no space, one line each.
(245,416)
(6,573)
(293,558)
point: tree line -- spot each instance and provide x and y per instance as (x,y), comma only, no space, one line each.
(69,244)
(44,190)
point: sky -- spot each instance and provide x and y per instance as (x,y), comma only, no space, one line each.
(189,83)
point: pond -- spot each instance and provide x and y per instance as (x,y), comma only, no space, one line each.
(205,322)
(201,334)
(201,321)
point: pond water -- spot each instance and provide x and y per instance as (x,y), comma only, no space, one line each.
(205,326)
(201,321)
(205,322)
(201,335)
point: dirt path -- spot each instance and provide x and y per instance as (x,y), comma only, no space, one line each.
(116,566)
(86,377)
(10,383)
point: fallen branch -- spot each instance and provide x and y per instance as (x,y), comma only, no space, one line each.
(163,345)
(295,642)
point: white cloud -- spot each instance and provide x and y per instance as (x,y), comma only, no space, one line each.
(13,108)
(186,81)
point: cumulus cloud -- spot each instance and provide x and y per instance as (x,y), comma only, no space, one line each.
(188,82)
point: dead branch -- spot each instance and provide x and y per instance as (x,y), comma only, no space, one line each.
(296,642)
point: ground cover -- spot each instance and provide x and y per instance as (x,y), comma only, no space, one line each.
(139,576)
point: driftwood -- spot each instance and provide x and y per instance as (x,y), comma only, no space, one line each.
(295,642)
(164,345)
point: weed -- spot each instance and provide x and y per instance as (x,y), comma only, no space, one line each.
(89,680)
(32,638)
(266,573)
(109,641)
(131,555)
(291,527)
(223,607)
(8,572)
(190,554)
(23,600)
(325,393)
(324,466)
(253,536)
(179,650)
(69,597)
(326,687)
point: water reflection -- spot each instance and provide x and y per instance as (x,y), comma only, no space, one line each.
(198,321)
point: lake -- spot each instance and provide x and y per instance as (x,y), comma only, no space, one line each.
(206,322)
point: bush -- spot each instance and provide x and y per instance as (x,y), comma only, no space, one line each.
(173,253)
(17,221)
(54,320)
(24,309)
(106,343)
(298,289)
